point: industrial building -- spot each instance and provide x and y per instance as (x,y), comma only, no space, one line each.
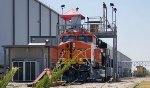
(124,63)
(124,69)
(21,19)
(26,21)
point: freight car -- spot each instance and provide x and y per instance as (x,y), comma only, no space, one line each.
(141,71)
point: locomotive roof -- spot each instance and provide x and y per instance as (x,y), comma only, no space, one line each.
(71,13)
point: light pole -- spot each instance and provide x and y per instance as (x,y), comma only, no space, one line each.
(62,7)
(115,10)
(112,5)
(115,62)
(104,17)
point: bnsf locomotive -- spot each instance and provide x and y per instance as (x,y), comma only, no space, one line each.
(89,56)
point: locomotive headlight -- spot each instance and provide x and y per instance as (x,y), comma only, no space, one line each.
(73,45)
(80,59)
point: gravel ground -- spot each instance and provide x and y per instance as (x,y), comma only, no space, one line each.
(125,83)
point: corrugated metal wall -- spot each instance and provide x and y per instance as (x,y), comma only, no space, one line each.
(54,21)
(34,18)
(21,22)
(6,24)
(45,19)
(20,19)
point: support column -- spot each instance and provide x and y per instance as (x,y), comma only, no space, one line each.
(13,37)
(4,60)
(57,33)
(115,61)
(28,22)
(40,28)
(49,57)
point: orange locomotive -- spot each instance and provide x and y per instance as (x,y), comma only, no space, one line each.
(88,55)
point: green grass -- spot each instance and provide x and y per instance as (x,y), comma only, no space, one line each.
(144,84)
(45,82)
(8,77)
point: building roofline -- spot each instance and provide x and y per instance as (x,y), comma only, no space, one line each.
(43,36)
(46,6)
(28,46)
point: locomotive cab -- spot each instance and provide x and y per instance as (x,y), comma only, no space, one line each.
(80,35)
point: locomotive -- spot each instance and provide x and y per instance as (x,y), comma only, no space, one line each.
(88,55)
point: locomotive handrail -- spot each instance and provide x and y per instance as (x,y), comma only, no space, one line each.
(85,54)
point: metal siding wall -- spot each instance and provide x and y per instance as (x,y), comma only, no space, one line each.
(54,21)
(21,22)
(34,18)
(28,53)
(45,23)
(6,25)
(123,66)
(118,56)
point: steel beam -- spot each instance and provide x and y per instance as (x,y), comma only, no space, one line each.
(108,34)
(115,61)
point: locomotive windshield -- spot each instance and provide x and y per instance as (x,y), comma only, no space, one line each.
(85,38)
(68,38)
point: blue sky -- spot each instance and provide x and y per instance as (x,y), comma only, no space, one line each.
(133,20)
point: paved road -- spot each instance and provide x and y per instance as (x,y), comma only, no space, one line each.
(125,83)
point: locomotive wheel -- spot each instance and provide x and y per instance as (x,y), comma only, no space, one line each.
(82,76)
(71,75)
